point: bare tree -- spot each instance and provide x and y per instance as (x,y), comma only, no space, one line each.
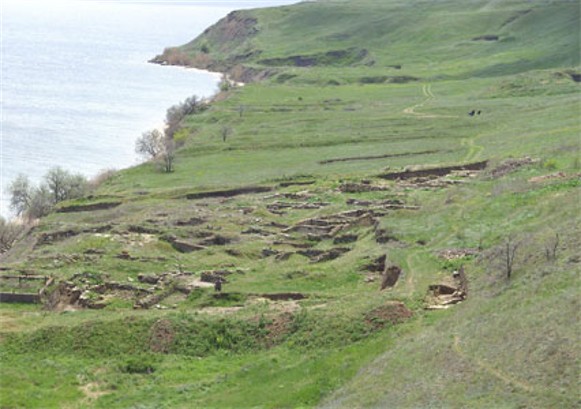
(154,145)
(150,144)
(168,155)
(551,247)
(508,255)
(176,113)
(9,233)
(225,131)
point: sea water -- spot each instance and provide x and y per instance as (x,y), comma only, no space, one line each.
(76,87)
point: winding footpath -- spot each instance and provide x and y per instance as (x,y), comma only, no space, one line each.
(427,91)
(497,373)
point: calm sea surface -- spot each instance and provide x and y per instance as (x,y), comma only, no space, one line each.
(76,86)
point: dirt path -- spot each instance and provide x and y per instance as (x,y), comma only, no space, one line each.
(473,149)
(497,373)
(410,281)
(427,91)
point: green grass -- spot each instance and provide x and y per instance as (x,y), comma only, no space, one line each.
(513,343)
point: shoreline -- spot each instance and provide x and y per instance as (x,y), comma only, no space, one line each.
(7,213)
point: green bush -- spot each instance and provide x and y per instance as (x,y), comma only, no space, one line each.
(139,364)
(550,164)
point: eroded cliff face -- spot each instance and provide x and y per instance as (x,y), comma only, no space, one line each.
(224,47)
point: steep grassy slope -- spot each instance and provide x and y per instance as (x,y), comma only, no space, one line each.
(444,39)
(296,208)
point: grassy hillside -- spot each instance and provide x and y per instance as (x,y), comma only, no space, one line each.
(306,208)
(481,39)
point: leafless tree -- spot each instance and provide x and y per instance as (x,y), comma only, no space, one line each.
(176,113)
(9,233)
(150,144)
(225,131)
(551,247)
(155,145)
(168,155)
(508,255)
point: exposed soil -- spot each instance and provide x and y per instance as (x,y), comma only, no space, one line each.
(345,239)
(229,192)
(552,176)
(21,298)
(383,236)
(235,27)
(282,296)
(142,230)
(389,314)
(453,254)
(390,204)
(257,231)
(330,58)
(380,79)
(319,256)
(161,336)
(352,187)
(194,221)
(267,252)
(440,171)
(448,292)
(513,18)
(297,183)
(92,391)
(390,276)
(509,166)
(215,276)
(277,328)
(277,206)
(88,207)
(378,265)
(55,236)
(486,37)
(327,227)
(183,246)
(216,240)
(372,157)
(575,76)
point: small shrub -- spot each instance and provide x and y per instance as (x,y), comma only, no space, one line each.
(225,84)
(141,364)
(550,164)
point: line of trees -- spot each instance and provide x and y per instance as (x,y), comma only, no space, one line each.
(161,146)
(32,202)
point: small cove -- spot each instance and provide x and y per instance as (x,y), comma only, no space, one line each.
(77,89)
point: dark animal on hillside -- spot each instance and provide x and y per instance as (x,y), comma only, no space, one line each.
(471,113)
(218,285)
(478,113)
